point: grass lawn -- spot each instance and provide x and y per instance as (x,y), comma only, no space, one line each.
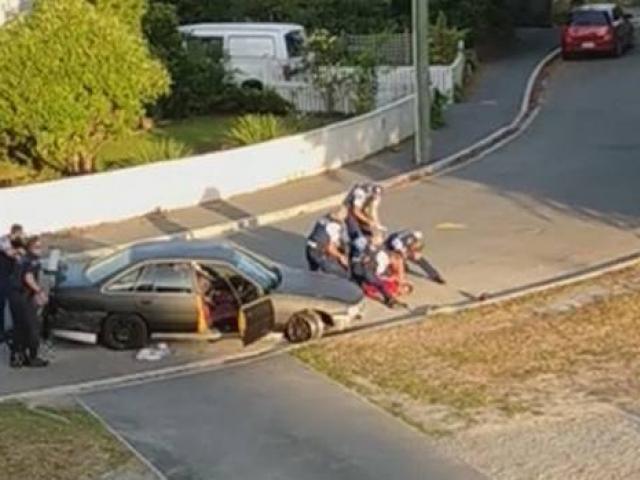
(196,135)
(500,362)
(56,444)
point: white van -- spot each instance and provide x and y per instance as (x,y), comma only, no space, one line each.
(259,54)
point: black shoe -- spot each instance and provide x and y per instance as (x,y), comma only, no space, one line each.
(36,362)
(16,360)
(394,304)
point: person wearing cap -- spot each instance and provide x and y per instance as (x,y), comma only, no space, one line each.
(327,245)
(25,299)
(408,246)
(370,267)
(10,249)
(363,203)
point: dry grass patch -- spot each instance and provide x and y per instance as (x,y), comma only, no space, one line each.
(522,357)
(55,444)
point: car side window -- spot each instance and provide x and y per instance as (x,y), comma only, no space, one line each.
(172,278)
(244,290)
(158,278)
(127,282)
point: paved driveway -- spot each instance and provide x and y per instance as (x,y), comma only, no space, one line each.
(270,420)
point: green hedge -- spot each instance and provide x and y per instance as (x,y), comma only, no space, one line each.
(72,76)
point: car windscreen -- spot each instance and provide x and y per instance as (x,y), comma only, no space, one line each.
(295,43)
(100,269)
(588,18)
(267,277)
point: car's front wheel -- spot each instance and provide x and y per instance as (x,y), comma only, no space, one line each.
(124,332)
(304,326)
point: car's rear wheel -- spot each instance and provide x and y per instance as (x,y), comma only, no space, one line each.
(304,326)
(124,332)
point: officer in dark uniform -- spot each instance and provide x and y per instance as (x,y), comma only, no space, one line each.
(369,262)
(327,245)
(409,244)
(25,300)
(362,203)
(9,250)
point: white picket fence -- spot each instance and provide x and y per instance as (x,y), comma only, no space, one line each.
(393,83)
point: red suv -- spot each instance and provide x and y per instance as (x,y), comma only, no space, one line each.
(597,28)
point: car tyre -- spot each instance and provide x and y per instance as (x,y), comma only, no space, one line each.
(124,332)
(303,327)
(253,85)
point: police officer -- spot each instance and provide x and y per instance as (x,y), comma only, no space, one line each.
(409,244)
(327,245)
(363,203)
(9,251)
(369,263)
(25,299)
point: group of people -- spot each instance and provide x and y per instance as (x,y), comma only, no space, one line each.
(350,242)
(20,289)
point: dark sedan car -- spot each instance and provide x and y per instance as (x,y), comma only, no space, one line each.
(186,288)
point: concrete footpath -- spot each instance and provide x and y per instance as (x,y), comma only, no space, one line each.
(493,102)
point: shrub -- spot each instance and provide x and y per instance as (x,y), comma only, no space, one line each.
(335,71)
(250,129)
(443,41)
(158,150)
(71,78)
(438,106)
(246,100)
(149,151)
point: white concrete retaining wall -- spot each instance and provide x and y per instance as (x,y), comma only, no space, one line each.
(112,196)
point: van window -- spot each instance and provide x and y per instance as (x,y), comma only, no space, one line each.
(259,47)
(295,44)
(212,46)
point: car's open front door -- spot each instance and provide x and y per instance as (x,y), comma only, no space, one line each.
(256,320)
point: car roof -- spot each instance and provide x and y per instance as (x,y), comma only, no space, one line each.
(241,27)
(600,7)
(182,249)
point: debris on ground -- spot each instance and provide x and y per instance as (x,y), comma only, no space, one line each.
(153,353)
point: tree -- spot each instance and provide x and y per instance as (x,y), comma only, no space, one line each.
(72,76)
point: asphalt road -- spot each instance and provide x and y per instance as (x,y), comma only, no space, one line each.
(271,420)
(560,198)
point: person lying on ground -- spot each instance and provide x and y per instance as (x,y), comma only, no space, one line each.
(409,245)
(370,269)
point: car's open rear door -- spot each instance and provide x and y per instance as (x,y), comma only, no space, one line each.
(256,320)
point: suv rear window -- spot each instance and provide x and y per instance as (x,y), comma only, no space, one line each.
(295,44)
(588,18)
